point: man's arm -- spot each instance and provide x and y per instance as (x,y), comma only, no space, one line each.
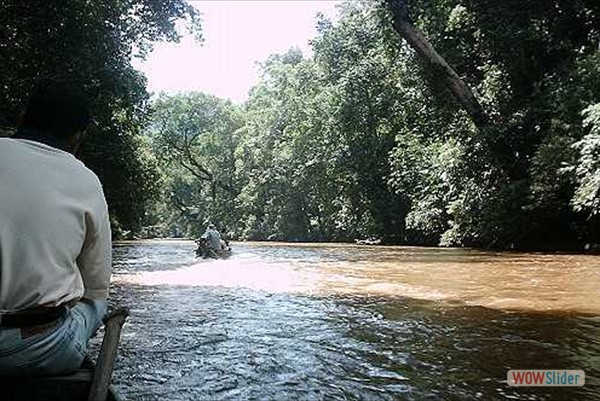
(95,259)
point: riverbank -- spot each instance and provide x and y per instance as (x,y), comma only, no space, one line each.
(571,249)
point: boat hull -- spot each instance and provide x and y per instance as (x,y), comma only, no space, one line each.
(205,252)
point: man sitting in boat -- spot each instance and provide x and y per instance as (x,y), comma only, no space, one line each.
(214,238)
(212,241)
(55,241)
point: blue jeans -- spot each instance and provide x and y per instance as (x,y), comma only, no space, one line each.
(59,350)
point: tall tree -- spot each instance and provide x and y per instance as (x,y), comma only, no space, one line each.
(93,42)
(195,137)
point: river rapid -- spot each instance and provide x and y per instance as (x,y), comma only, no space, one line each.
(283,321)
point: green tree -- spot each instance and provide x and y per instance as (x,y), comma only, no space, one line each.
(288,154)
(195,137)
(530,66)
(587,170)
(93,42)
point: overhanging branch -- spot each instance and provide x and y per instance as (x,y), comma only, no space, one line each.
(425,50)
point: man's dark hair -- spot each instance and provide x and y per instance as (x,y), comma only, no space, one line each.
(60,108)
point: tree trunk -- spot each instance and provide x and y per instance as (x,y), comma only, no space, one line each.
(425,50)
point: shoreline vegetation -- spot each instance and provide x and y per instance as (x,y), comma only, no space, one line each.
(570,249)
(445,123)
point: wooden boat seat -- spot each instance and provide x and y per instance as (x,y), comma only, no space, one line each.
(75,386)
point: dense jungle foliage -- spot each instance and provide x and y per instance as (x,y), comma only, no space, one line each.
(94,42)
(361,139)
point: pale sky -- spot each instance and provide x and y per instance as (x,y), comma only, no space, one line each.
(237,35)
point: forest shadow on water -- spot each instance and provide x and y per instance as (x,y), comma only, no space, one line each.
(215,340)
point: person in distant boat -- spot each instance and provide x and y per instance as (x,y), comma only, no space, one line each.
(55,238)
(213,238)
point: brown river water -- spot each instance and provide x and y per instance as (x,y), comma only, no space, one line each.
(281,321)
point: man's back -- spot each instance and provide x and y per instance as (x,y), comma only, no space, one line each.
(51,207)
(55,246)
(214,238)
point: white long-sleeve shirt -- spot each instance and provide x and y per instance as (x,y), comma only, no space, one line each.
(55,243)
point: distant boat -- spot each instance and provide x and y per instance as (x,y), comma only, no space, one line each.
(205,252)
(369,241)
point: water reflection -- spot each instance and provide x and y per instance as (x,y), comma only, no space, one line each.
(340,323)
